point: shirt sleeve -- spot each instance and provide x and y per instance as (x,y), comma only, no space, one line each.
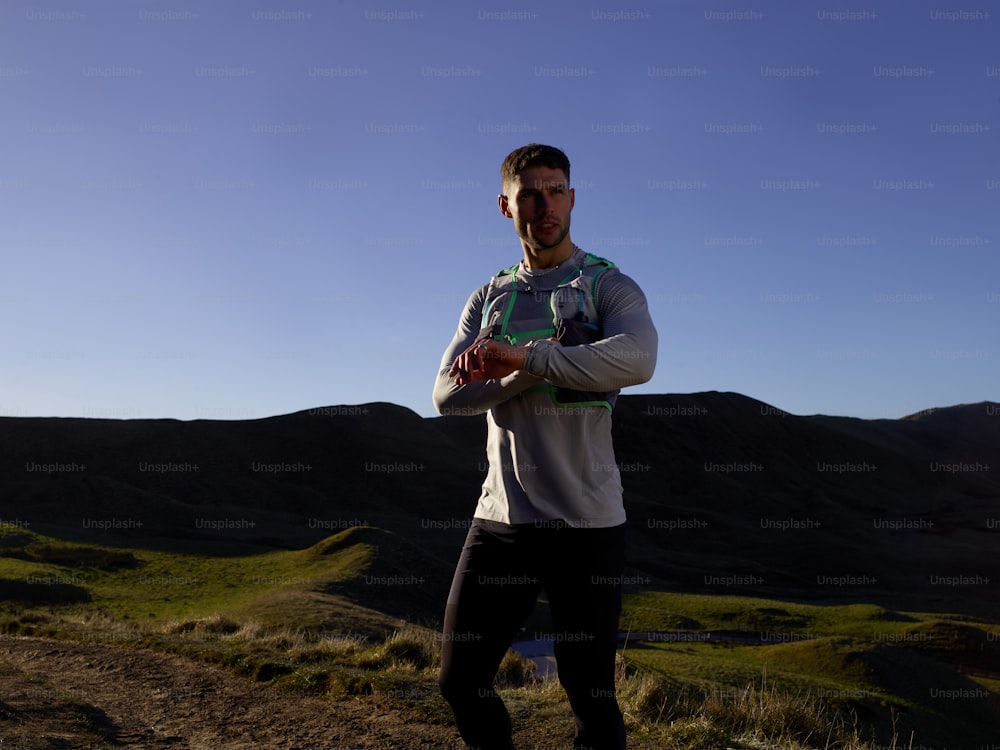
(626,355)
(479,397)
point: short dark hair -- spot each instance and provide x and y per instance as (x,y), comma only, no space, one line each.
(532,155)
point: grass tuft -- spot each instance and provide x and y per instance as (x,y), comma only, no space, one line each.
(214,625)
(515,671)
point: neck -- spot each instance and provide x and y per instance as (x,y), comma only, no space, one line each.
(548,257)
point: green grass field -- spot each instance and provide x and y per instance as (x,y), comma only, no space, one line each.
(154,587)
(344,618)
(905,671)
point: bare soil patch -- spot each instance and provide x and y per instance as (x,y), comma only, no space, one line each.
(67,694)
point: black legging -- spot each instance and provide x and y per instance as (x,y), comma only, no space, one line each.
(499,575)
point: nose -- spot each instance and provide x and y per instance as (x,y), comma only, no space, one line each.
(544,203)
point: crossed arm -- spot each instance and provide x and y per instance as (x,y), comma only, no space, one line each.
(472,379)
(487,359)
(476,374)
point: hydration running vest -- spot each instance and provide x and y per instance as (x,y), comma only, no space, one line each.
(516,313)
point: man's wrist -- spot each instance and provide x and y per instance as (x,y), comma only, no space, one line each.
(528,356)
(519,356)
(512,357)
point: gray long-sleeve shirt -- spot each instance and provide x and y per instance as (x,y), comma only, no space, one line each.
(551,462)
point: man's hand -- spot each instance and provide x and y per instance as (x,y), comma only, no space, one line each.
(487,359)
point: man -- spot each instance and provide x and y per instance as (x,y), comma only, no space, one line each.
(543,349)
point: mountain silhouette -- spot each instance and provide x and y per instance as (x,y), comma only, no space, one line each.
(725,494)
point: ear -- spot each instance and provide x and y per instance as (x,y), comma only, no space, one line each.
(572,198)
(504,207)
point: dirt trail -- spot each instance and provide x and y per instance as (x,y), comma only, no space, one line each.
(62,694)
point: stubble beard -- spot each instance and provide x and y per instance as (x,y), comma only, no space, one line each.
(537,244)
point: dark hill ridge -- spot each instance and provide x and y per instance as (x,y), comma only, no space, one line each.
(752,498)
(725,494)
(287,480)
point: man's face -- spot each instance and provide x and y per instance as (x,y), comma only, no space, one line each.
(539,200)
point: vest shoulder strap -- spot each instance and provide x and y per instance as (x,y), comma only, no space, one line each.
(595,260)
(509,271)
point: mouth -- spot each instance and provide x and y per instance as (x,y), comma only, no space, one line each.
(547,227)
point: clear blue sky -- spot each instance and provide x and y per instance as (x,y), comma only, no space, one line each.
(241,209)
